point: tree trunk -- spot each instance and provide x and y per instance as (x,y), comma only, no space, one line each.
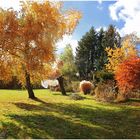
(61,84)
(29,86)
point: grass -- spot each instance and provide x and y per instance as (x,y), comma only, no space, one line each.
(56,116)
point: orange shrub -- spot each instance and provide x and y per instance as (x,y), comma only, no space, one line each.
(128,75)
(86,87)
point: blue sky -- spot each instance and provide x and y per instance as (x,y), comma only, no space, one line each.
(93,14)
(123,14)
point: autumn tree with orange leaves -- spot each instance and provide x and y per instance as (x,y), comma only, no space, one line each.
(28,37)
(128,75)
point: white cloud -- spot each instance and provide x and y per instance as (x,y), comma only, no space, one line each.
(104,28)
(100,1)
(67,39)
(129,12)
(5,4)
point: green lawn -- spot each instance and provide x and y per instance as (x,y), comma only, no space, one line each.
(56,116)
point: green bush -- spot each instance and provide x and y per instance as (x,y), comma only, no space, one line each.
(71,86)
(75,86)
(68,88)
(68,85)
(101,76)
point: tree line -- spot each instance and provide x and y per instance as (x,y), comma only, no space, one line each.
(90,56)
(90,53)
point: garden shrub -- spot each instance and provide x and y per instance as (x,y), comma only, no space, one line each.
(106,91)
(131,94)
(121,97)
(75,86)
(101,76)
(86,87)
(128,76)
(134,94)
(68,86)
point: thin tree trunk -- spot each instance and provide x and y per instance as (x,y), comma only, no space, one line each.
(61,84)
(29,86)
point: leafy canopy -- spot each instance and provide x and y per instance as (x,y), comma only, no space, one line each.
(28,37)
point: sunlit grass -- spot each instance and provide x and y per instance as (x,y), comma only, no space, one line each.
(57,116)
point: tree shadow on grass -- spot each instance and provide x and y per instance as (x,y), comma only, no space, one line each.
(73,121)
(29,107)
(50,126)
(9,130)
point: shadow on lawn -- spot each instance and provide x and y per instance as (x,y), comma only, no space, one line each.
(6,130)
(73,121)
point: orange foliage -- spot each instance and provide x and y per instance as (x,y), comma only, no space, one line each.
(55,71)
(86,86)
(5,71)
(54,74)
(28,37)
(128,74)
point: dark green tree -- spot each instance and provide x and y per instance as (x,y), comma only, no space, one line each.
(90,53)
(86,54)
(111,39)
(100,61)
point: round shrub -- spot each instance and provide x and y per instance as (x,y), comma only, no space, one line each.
(75,86)
(86,87)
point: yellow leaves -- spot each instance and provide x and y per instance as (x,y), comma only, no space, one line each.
(72,18)
(8,23)
(117,55)
(29,37)
(129,49)
(47,16)
(5,69)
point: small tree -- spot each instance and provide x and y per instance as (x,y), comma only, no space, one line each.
(69,68)
(117,55)
(128,75)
